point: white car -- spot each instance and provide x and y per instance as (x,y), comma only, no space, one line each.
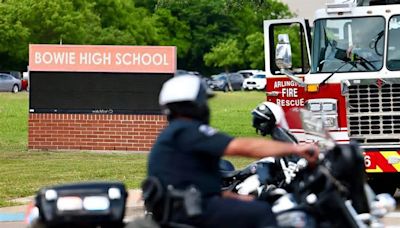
(258,82)
(249,73)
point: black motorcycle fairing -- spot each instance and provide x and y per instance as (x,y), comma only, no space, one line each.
(283,135)
(226,166)
(338,178)
(346,164)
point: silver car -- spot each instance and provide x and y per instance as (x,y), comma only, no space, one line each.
(9,84)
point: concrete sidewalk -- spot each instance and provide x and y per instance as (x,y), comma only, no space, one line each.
(134,207)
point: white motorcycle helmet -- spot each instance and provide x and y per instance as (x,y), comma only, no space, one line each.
(185,96)
(266,116)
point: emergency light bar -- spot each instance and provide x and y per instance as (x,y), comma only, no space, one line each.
(340,7)
(86,204)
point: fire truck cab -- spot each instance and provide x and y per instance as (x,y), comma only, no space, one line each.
(346,69)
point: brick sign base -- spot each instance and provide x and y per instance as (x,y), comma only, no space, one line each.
(94,131)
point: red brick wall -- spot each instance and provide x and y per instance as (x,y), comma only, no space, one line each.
(94,131)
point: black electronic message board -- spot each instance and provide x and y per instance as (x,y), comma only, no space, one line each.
(92,92)
(98,78)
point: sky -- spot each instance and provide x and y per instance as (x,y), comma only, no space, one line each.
(305,8)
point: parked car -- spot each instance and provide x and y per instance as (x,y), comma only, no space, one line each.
(226,82)
(185,72)
(18,75)
(249,73)
(181,72)
(257,82)
(9,83)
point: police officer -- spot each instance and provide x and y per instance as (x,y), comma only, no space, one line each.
(188,152)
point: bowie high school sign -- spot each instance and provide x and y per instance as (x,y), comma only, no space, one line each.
(91,97)
(94,58)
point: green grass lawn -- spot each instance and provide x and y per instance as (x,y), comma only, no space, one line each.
(24,172)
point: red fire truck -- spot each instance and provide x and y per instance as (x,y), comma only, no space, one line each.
(346,69)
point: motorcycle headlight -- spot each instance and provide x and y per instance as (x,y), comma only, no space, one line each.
(114,193)
(50,194)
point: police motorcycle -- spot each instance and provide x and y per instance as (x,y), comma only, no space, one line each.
(334,193)
(85,204)
(268,120)
(103,204)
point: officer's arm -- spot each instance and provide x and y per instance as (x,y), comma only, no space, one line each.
(259,148)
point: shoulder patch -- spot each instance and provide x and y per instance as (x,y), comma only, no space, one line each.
(207,130)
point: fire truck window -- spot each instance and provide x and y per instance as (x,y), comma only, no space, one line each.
(348,45)
(300,62)
(393,58)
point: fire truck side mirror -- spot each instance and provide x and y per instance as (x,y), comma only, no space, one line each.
(283,57)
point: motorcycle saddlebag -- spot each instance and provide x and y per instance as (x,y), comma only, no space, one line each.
(82,204)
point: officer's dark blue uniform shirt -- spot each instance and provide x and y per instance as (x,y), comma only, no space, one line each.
(188,152)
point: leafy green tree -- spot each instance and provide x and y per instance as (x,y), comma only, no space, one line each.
(208,23)
(254,52)
(249,17)
(212,22)
(147,4)
(194,26)
(12,34)
(171,31)
(225,55)
(70,22)
(41,21)
(123,23)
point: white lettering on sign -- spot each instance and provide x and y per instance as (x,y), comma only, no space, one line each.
(55,58)
(289,92)
(280,84)
(99,58)
(96,58)
(290,103)
(145,59)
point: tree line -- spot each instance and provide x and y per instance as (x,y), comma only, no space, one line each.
(210,35)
